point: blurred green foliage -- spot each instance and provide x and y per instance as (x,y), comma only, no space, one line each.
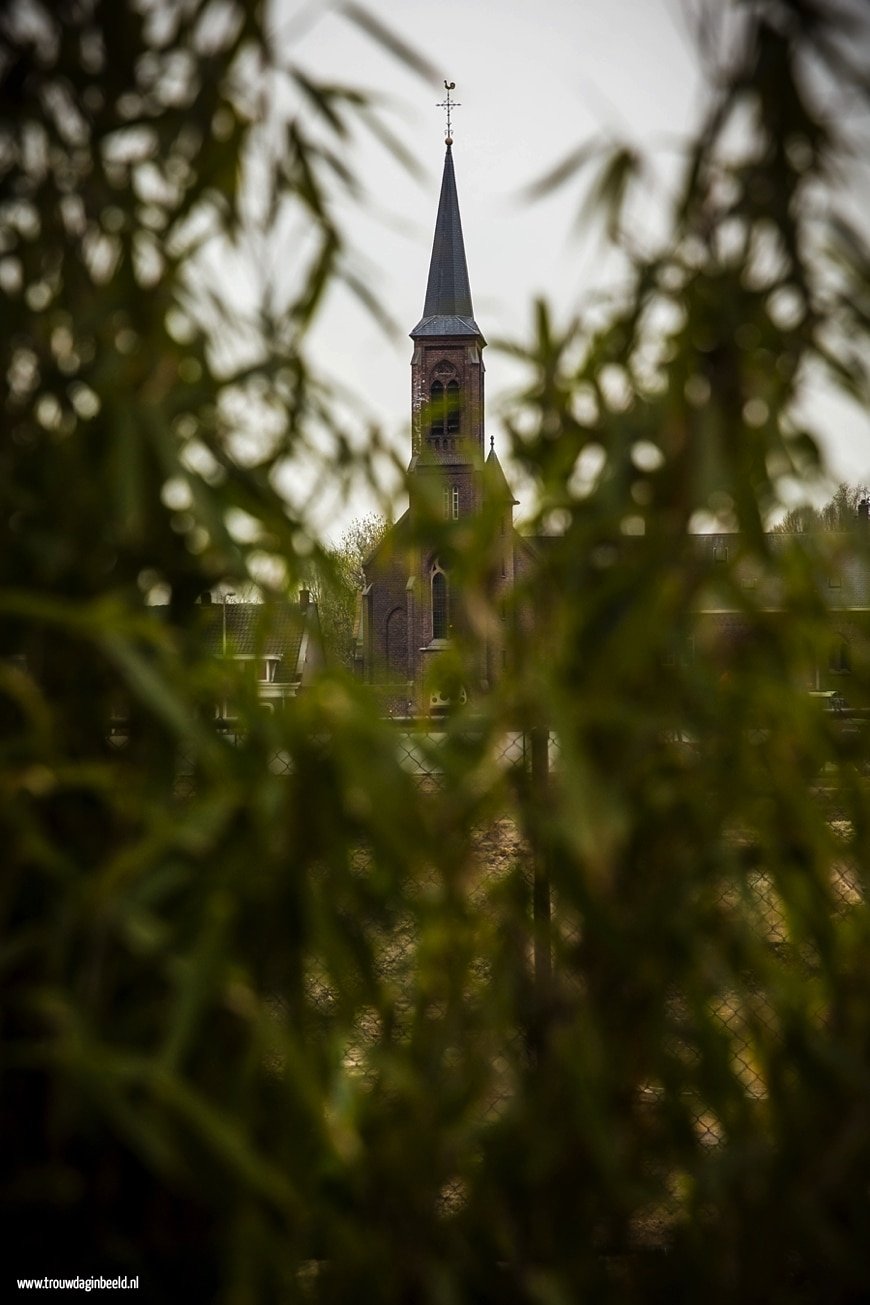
(308,1030)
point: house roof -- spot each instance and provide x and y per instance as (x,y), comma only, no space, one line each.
(448,309)
(274,629)
(842,565)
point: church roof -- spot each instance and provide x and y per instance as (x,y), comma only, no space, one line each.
(496,480)
(448,309)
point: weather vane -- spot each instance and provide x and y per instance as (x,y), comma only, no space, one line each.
(449,105)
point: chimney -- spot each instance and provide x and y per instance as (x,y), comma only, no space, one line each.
(304,599)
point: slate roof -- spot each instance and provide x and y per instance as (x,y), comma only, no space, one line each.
(448,309)
(495,479)
(274,629)
(843,558)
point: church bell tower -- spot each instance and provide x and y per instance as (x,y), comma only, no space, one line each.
(447,440)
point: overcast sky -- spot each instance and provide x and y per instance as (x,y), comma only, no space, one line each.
(534,79)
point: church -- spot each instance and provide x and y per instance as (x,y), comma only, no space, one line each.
(409,606)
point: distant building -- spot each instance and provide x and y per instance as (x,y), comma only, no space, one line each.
(275,647)
(835,667)
(409,603)
(410,606)
(279,643)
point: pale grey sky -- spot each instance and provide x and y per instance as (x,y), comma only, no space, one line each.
(533,81)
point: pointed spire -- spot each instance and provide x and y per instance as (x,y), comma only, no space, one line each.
(448,309)
(495,480)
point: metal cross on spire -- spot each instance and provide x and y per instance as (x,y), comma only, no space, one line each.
(449,105)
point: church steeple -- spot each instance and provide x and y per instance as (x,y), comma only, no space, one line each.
(448,309)
(447,366)
(413,604)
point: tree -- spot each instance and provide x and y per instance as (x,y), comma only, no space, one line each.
(339,580)
(839,513)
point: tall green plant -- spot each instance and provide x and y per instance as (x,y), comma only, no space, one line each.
(278,1021)
(704,829)
(161,891)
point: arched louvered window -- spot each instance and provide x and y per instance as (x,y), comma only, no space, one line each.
(445,409)
(440,604)
(436,410)
(453,411)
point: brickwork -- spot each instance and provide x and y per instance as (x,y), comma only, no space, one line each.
(444,361)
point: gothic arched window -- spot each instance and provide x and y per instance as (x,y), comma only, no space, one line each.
(440,604)
(444,409)
(436,409)
(452,406)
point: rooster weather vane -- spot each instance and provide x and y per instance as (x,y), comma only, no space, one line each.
(449,105)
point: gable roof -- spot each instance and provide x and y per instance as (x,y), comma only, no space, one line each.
(273,629)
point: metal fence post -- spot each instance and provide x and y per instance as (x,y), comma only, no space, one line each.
(539,747)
